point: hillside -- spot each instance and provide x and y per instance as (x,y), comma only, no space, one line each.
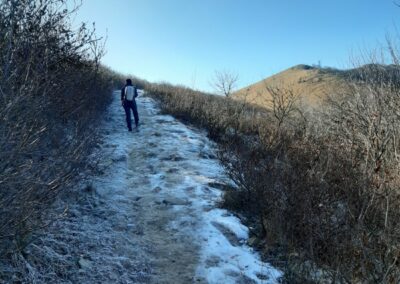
(312,185)
(312,84)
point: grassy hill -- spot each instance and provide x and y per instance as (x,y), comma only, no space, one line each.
(312,84)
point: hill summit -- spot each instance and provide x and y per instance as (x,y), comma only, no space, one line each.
(312,84)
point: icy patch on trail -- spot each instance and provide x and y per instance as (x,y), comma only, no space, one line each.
(186,172)
(92,239)
(151,214)
(225,260)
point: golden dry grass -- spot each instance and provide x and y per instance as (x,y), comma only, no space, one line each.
(312,85)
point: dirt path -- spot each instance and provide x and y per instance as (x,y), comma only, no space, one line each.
(158,167)
(150,216)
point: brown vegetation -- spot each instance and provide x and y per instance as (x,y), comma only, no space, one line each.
(322,186)
(311,84)
(52,91)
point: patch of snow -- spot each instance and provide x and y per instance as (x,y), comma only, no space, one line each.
(153,213)
(234,261)
(221,260)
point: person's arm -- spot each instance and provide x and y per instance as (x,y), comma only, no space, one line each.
(122,95)
(136,92)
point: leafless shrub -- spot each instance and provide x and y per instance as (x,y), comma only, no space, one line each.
(365,123)
(52,90)
(224,82)
(218,114)
(322,186)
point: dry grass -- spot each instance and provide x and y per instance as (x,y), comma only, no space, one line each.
(218,114)
(322,187)
(312,84)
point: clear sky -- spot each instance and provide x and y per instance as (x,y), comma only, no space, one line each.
(185,41)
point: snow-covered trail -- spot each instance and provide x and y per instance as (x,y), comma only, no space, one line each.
(153,217)
(170,179)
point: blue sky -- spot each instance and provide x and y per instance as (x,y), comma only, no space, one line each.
(185,41)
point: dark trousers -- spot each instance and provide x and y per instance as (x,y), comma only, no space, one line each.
(128,106)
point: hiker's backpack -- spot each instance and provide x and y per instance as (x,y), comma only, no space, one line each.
(129,93)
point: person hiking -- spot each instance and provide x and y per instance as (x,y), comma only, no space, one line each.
(128,95)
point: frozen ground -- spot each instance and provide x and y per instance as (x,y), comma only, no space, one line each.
(151,215)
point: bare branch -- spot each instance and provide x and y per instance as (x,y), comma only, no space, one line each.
(224,82)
